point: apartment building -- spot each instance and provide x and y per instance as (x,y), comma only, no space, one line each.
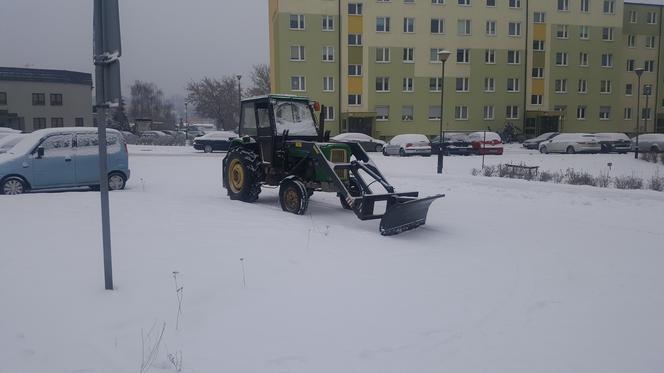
(563,65)
(32,99)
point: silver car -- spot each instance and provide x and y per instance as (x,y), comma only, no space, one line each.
(650,142)
(410,144)
(571,143)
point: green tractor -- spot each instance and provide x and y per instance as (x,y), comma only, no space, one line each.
(281,145)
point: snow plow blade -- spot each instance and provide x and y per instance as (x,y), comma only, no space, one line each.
(404,215)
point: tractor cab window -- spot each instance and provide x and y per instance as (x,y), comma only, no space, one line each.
(248,120)
(296,117)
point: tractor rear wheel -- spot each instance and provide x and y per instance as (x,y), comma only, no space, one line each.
(293,196)
(242,175)
(355,191)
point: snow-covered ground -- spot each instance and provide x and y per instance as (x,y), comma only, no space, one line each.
(507,275)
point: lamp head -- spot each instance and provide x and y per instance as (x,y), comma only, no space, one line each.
(639,71)
(444,55)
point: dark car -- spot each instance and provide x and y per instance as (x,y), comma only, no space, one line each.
(214,141)
(453,144)
(368,143)
(614,142)
(536,141)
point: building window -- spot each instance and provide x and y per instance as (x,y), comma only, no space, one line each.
(463,56)
(605,87)
(354,39)
(328,23)
(79,122)
(438,2)
(585,6)
(513,85)
(605,112)
(56,99)
(463,27)
(563,5)
(538,45)
(491,3)
(562,31)
(297,53)
(328,54)
(629,89)
(631,41)
(630,65)
(297,21)
(488,112)
(39,99)
(328,84)
(462,85)
(491,28)
(382,84)
(584,33)
(514,28)
(57,122)
(437,26)
(329,113)
(408,85)
(583,86)
(609,7)
(561,58)
(355,100)
(382,113)
(651,18)
(490,56)
(560,85)
(627,113)
(433,55)
(435,84)
(3,98)
(38,123)
(649,66)
(650,42)
(408,55)
(489,85)
(407,113)
(514,4)
(583,59)
(632,15)
(536,100)
(461,112)
(463,2)
(645,113)
(355,9)
(382,24)
(581,112)
(382,55)
(409,25)
(298,83)
(539,17)
(513,57)
(607,60)
(434,112)
(607,33)
(538,72)
(512,112)
(354,70)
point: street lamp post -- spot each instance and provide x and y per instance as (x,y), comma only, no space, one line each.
(646,92)
(638,71)
(442,56)
(186,123)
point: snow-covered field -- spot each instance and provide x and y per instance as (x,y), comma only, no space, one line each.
(507,275)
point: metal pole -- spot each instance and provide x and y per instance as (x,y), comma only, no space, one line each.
(186,125)
(105,211)
(638,115)
(440,132)
(483,149)
(646,92)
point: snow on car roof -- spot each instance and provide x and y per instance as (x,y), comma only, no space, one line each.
(612,136)
(31,139)
(219,135)
(489,135)
(405,138)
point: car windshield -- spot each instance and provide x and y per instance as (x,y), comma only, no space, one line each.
(544,136)
(8,144)
(295,117)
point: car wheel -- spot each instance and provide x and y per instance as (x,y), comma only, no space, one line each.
(13,186)
(116,181)
(402,152)
(544,150)
(379,148)
(385,152)
(207,149)
(570,150)
(654,149)
(293,196)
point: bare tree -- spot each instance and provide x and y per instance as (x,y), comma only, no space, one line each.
(147,102)
(260,77)
(217,99)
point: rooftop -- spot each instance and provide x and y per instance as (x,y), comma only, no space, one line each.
(648,2)
(41,75)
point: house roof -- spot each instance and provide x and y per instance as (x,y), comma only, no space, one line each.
(48,76)
(645,2)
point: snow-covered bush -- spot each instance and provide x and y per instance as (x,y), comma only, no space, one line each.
(628,182)
(580,178)
(656,182)
(649,157)
(489,171)
(603,180)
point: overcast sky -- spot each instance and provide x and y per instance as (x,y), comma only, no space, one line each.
(167,42)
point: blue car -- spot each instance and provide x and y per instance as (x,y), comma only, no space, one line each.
(57,158)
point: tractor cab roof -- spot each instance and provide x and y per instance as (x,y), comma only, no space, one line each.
(277,97)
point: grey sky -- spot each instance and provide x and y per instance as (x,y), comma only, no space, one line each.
(167,42)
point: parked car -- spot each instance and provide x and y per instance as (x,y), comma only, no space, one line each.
(130,138)
(650,142)
(534,143)
(614,142)
(8,142)
(178,137)
(453,144)
(214,141)
(155,138)
(62,158)
(367,142)
(485,142)
(571,143)
(408,144)
(8,130)
(193,132)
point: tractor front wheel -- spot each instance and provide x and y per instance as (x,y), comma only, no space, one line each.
(242,175)
(293,196)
